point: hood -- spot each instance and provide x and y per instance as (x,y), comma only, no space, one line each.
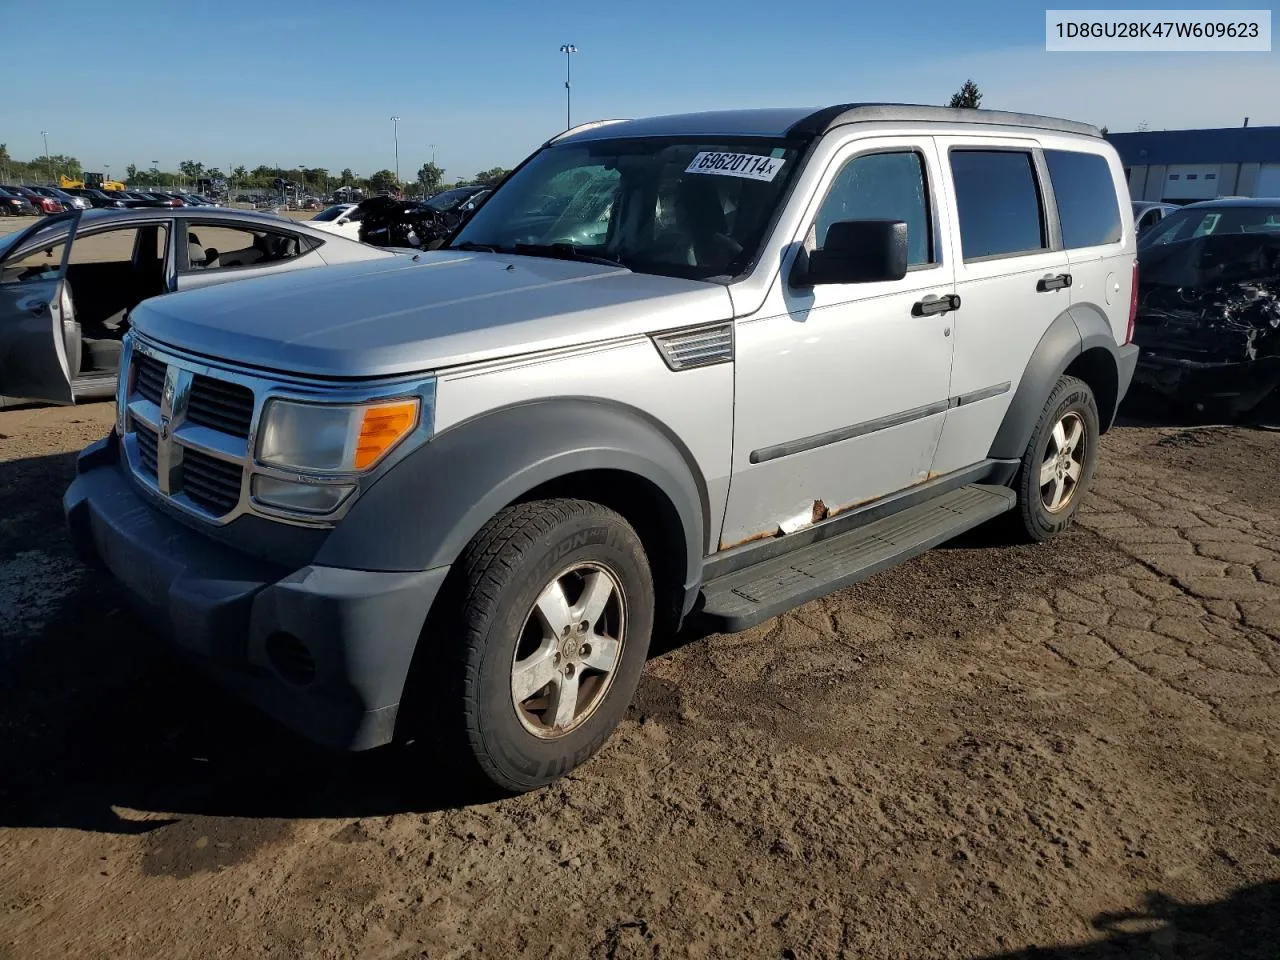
(395,316)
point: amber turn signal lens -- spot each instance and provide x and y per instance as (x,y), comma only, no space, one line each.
(382,428)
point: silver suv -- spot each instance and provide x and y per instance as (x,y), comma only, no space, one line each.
(706,366)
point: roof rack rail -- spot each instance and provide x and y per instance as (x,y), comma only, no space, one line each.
(821,121)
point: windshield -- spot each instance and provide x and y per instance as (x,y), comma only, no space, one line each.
(450,198)
(678,207)
(1191,222)
(331,213)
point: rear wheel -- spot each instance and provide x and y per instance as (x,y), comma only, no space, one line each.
(1057,466)
(556,619)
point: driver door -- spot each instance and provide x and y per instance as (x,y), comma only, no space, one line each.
(37,320)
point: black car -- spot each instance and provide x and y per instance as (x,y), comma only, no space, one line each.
(98,199)
(1208,318)
(15,205)
(134,199)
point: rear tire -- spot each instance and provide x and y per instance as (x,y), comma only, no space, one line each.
(1057,466)
(556,615)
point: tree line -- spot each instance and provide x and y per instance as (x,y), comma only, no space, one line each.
(319,180)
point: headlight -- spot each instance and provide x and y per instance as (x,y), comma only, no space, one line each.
(326,445)
(333,438)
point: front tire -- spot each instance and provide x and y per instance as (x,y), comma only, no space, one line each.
(1057,466)
(557,611)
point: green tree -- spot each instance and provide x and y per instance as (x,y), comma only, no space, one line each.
(191,169)
(1103,131)
(240,173)
(491,176)
(347,177)
(131,173)
(431,177)
(967,96)
(383,180)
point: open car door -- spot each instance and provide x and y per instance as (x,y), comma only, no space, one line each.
(37,318)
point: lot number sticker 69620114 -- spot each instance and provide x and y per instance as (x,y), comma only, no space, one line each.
(748,165)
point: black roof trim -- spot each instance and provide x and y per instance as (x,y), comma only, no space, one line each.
(821,121)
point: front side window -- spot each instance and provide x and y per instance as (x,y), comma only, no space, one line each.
(1086,198)
(999,203)
(671,206)
(882,186)
(217,247)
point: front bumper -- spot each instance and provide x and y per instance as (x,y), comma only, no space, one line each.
(326,651)
(1237,385)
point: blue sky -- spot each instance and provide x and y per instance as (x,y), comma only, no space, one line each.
(316,82)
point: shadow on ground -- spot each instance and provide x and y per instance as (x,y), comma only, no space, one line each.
(1142,407)
(1244,926)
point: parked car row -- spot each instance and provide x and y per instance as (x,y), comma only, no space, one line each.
(51,200)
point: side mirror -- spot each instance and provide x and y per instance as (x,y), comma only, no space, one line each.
(856,251)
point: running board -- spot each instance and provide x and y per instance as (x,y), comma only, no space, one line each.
(744,598)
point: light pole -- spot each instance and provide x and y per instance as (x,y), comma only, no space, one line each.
(47,164)
(155,167)
(395,127)
(568,49)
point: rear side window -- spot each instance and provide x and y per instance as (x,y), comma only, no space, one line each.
(999,203)
(1086,198)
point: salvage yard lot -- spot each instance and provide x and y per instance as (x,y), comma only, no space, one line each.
(988,749)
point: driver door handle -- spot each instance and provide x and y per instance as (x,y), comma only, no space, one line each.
(930,305)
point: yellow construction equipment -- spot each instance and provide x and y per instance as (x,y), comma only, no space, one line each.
(94,181)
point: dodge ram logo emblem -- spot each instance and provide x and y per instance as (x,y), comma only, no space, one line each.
(164,428)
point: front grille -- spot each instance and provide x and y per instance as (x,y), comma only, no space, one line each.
(220,405)
(148,377)
(146,448)
(210,483)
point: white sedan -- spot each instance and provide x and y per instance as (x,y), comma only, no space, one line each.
(336,219)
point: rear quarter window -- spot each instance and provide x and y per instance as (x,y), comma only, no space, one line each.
(1086,197)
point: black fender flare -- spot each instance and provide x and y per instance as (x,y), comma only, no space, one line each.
(1077,329)
(425,509)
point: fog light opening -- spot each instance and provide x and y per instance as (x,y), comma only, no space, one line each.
(291,659)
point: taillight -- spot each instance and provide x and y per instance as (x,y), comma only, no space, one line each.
(1133,304)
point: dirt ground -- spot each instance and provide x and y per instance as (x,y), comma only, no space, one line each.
(1059,751)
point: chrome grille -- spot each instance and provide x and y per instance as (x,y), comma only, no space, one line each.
(220,405)
(146,448)
(187,432)
(188,428)
(148,378)
(209,482)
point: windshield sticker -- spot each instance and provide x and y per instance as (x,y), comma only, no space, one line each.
(749,165)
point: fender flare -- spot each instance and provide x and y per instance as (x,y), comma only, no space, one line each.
(1077,329)
(426,509)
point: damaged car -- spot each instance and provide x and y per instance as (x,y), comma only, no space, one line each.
(1208,317)
(389,222)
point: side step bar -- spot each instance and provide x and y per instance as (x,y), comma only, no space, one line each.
(744,598)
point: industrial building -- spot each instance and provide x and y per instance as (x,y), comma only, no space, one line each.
(1180,166)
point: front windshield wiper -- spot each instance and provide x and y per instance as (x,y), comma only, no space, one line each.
(565,251)
(475,247)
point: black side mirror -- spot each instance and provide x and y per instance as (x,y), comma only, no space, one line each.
(856,251)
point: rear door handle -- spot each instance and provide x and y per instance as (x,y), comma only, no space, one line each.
(932,304)
(1054,283)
